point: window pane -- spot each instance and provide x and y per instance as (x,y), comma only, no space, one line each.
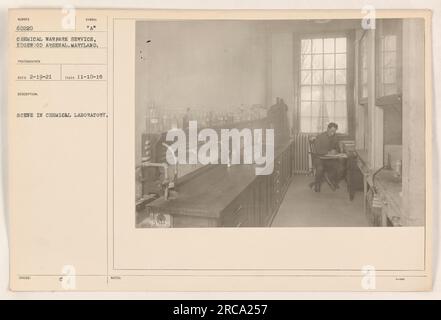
(329,76)
(306,46)
(340,45)
(363,50)
(305,93)
(364,78)
(315,127)
(321,125)
(363,71)
(389,75)
(317,77)
(341,124)
(305,77)
(328,120)
(364,91)
(340,76)
(317,61)
(389,60)
(306,61)
(340,109)
(329,93)
(315,109)
(329,45)
(390,43)
(305,109)
(305,124)
(390,89)
(317,46)
(340,93)
(364,61)
(329,61)
(316,93)
(329,111)
(340,61)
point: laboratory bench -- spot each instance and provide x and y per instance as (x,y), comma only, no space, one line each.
(228,196)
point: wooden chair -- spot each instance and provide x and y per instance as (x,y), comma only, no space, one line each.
(354,176)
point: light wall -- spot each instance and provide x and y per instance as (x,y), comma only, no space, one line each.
(206,65)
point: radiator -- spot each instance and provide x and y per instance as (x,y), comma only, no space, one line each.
(302,161)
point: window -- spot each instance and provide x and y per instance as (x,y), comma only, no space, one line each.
(388,62)
(363,70)
(323,87)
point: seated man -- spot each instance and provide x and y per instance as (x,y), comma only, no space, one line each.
(326,143)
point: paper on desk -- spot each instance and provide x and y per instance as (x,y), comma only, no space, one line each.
(334,156)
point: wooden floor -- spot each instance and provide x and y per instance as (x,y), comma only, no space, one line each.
(302,207)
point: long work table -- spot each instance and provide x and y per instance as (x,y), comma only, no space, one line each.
(229,196)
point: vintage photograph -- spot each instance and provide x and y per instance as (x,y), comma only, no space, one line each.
(280,123)
(221,150)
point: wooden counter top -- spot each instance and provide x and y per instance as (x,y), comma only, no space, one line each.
(208,193)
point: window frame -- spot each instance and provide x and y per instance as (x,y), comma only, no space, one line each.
(349,77)
(394,27)
(363,39)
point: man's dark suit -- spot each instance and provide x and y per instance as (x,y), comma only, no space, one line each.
(333,167)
